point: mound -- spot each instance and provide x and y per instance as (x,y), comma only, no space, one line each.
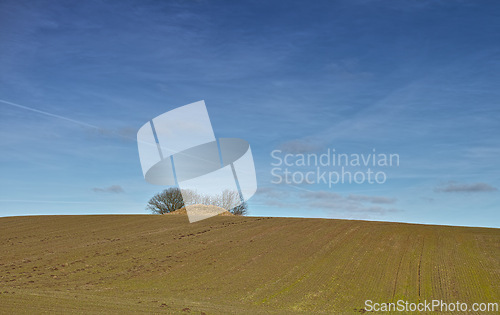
(201,209)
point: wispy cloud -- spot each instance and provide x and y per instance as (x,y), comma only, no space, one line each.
(372,199)
(114,189)
(299,146)
(327,200)
(352,203)
(270,192)
(347,69)
(454,187)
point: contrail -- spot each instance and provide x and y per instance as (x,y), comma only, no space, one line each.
(84,124)
(81,123)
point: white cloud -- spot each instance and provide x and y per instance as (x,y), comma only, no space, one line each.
(114,189)
(454,187)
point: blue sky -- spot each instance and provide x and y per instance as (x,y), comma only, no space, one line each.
(415,78)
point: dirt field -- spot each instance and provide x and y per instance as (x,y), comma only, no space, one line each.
(248,265)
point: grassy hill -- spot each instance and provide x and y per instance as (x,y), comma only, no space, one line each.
(146,263)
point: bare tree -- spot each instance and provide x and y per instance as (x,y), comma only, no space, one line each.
(191,197)
(173,199)
(228,199)
(167,201)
